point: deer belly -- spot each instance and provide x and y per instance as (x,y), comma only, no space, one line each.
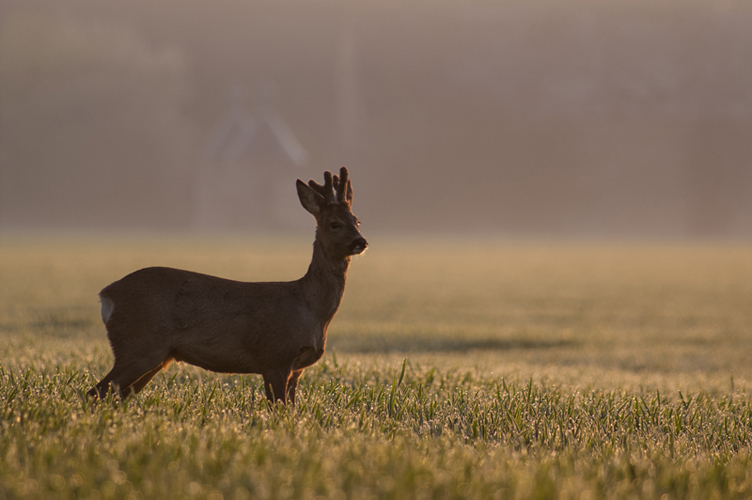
(218,357)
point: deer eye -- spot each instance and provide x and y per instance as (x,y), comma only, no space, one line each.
(335,225)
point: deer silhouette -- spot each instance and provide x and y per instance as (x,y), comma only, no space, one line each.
(277,329)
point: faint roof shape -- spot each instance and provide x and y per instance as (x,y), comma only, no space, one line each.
(237,130)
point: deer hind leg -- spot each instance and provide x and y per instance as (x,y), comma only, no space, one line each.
(100,390)
(129,378)
(137,375)
(275,385)
(139,384)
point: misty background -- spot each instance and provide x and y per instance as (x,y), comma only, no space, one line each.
(627,118)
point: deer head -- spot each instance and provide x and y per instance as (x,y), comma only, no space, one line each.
(336,226)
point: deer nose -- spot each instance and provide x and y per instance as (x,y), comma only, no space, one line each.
(359,245)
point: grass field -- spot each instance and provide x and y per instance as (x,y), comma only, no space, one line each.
(455,369)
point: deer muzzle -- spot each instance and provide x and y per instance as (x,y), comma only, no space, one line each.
(358,246)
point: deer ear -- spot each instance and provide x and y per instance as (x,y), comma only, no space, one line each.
(310,199)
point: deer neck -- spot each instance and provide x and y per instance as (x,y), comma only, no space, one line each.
(324,283)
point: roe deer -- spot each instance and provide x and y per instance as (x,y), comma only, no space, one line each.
(158,314)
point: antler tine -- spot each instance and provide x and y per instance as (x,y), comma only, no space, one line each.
(336,188)
(329,187)
(326,190)
(344,186)
(349,192)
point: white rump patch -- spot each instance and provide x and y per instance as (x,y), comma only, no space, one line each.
(107,308)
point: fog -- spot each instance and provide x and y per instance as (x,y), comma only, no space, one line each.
(577,118)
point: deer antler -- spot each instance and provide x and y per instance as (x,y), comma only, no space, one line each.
(336,189)
(343,187)
(327,190)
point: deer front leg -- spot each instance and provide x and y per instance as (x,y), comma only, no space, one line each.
(292,384)
(275,385)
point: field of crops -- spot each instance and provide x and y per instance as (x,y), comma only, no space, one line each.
(455,369)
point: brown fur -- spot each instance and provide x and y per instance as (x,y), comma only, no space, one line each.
(277,329)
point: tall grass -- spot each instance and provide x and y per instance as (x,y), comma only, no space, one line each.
(530,372)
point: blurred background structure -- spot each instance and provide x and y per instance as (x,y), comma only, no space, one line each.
(584,118)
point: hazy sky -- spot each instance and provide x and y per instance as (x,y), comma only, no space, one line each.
(582,118)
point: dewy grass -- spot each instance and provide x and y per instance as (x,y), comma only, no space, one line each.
(549,372)
(358,432)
